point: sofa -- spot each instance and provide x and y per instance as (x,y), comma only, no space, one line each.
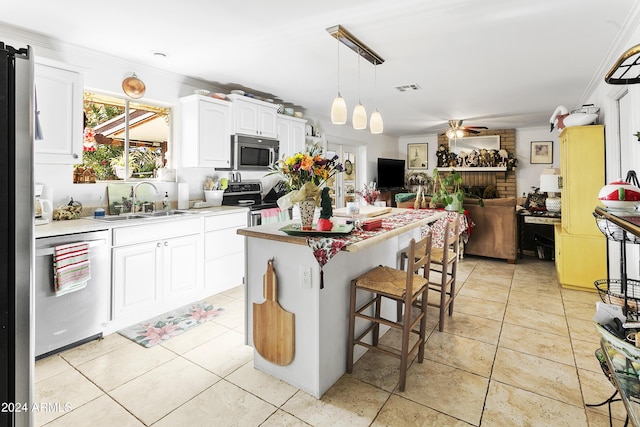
(495,232)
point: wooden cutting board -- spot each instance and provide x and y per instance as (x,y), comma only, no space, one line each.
(365,211)
(273,327)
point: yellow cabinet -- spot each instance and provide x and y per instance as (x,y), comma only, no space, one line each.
(581,256)
(580,260)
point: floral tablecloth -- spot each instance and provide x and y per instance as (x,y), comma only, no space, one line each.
(324,248)
(438,228)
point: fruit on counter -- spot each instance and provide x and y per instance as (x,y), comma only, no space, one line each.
(324,225)
(215,184)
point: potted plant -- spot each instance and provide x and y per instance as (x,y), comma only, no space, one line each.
(448,190)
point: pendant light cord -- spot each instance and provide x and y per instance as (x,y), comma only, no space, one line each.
(359,55)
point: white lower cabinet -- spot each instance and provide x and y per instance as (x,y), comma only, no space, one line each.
(156,268)
(223,252)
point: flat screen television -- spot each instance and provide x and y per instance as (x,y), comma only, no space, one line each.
(390,173)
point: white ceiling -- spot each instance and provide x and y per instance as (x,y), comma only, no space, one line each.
(494,63)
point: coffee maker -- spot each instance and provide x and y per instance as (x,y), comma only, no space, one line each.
(43,206)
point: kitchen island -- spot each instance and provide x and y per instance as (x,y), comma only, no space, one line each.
(321,312)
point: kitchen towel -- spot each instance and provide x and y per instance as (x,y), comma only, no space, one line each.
(71,268)
(273,215)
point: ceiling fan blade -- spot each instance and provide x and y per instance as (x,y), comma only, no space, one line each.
(470,130)
(475,127)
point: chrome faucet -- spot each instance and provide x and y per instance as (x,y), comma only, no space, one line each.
(133,194)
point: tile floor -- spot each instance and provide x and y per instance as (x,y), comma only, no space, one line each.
(518,351)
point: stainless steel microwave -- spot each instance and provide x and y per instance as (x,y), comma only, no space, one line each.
(254,153)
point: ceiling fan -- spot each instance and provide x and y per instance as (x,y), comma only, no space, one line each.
(456,130)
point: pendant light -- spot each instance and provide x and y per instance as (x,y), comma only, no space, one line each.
(375,122)
(359,118)
(338,107)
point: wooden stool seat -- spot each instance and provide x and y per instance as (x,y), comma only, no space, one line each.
(404,287)
(389,281)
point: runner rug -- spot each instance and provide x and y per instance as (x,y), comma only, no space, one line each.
(161,328)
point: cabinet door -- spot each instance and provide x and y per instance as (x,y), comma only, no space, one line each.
(136,279)
(582,167)
(284,136)
(291,134)
(246,118)
(59,98)
(267,122)
(224,258)
(182,266)
(576,271)
(215,140)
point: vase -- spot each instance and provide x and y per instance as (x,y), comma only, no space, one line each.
(307,209)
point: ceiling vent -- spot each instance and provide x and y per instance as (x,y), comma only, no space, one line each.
(408,88)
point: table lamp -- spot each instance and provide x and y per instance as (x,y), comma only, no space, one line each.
(551,183)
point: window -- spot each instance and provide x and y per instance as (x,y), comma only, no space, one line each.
(124,139)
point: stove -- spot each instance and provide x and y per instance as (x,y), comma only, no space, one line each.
(247,194)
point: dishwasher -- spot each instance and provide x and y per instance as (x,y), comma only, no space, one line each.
(71,319)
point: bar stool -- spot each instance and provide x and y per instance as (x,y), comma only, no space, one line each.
(405,287)
(447,260)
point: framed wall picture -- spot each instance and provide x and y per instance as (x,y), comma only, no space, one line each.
(417,156)
(542,152)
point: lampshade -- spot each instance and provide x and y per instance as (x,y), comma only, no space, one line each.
(359,117)
(550,183)
(339,111)
(375,122)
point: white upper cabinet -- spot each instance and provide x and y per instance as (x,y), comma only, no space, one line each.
(254,117)
(291,134)
(206,132)
(59,103)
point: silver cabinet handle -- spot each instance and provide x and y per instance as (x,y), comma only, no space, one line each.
(166,243)
(158,245)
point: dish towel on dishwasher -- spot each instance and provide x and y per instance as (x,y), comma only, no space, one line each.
(71,267)
(272,215)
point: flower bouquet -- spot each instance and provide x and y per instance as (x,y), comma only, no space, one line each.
(369,193)
(303,174)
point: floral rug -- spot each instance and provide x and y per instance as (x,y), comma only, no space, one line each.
(160,328)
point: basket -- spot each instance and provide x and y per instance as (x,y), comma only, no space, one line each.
(613,231)
(587,109)
(610,291)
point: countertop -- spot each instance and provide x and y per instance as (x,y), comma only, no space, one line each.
(87,224)
(272,231)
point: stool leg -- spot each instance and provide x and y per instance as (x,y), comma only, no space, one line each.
(376,327)
(352,325)
(454,267)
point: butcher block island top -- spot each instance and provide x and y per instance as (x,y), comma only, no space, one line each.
(313,274)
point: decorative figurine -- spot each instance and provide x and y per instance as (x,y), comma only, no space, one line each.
(326,212)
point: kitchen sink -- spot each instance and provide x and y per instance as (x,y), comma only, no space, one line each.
(147,215)
(165,213)
(112,218)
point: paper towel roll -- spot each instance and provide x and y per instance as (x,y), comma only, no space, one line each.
(183,195)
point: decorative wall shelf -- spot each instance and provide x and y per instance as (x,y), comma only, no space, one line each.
(475,169)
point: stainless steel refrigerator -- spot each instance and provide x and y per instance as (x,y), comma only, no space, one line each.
(16,235)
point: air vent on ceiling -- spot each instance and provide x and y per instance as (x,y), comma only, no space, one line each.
(407,88)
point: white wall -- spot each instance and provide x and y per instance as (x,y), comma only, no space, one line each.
(527,174)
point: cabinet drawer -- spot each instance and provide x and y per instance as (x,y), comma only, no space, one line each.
(219,222)
(222,242)
(155,231)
